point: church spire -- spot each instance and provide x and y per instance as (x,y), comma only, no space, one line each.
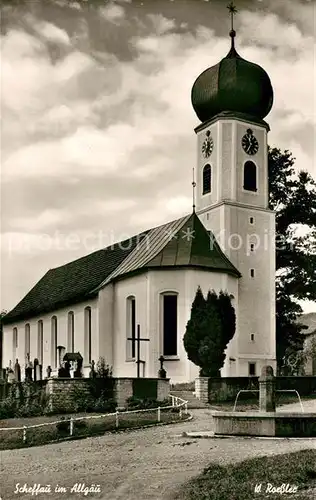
(233,11)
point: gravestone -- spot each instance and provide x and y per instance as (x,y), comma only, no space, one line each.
(10,373)
(28,369)
(67,369)
(35,365)
(92,373)
(39,372)
(78,370)
(74,360)
(17,371)
(61,353)
(162,372)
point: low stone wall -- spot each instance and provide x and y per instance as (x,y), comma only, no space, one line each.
(215,390)
(64,391)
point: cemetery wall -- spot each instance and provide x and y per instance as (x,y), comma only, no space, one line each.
(63,392)
(226,389)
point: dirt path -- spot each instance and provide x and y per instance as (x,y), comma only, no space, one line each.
(138,465)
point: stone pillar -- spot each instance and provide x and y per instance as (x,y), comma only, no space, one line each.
(267,390)
(123,389)
(201,389)
(163,389)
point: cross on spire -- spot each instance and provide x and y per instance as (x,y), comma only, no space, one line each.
(233,11)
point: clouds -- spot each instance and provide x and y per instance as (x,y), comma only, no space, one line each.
(98,124)
(112,12)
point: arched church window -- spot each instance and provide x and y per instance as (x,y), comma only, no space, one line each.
(207,179)
(87,335)
(15,342)
(40,341)
(71,332)
(54,342)
(130,327)
(250,176)
(169,302)
(27,339)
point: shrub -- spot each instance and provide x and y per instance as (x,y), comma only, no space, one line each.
(145,403)
(103,369)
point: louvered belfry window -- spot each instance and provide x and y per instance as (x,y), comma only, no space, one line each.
(207,179)
(250,176)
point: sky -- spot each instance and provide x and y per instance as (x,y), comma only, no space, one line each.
(97,136)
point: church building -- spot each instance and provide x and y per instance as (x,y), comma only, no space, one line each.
(94,304)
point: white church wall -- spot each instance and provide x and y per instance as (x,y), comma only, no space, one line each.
(62,327)
(257,293)
(162,281)
(185,282)
(106,326)
(134,286)
(204,200)
(258,198)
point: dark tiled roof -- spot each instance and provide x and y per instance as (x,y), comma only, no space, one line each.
(200,250)
(169,245)
(71,283)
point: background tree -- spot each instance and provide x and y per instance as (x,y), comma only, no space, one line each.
(293,198)
(211,326)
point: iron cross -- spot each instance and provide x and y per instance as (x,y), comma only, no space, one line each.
(233,10)
(138,340)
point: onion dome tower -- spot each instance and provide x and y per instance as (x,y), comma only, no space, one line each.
(234,85)
(231,197)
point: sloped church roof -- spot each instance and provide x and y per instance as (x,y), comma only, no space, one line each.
(183,242)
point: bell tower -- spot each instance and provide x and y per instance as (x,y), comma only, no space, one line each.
(231,100)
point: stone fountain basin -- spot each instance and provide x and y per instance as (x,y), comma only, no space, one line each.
(279,424)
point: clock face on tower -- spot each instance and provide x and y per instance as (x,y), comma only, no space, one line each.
(207,146)
(249,143)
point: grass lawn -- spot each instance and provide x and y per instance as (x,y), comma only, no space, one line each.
(238,482)
(81,428)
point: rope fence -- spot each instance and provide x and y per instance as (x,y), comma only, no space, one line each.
(176,402)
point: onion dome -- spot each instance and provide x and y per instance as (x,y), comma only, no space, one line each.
(233,85)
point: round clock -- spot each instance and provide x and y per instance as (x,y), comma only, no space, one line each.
(249,143)
(207,146)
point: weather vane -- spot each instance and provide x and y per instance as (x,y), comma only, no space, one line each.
(233,11)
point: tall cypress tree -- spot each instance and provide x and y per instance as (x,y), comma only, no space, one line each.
(195,330)
(210,328)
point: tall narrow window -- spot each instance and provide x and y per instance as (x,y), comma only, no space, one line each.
(130,327)
(252,369)
(250,176)
(207,179)
(87,335)
(170,323)
(27,340)
(54,342)
(15,342)
(40,341)
(71,332)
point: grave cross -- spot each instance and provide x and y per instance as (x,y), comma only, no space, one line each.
(138,340)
